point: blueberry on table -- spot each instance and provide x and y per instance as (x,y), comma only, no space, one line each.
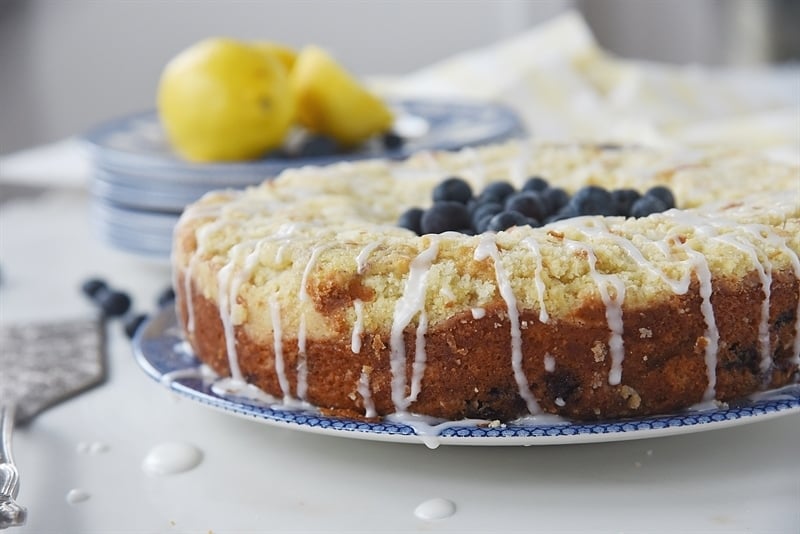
(411,219)
(445,216)
(453,188)
(535,183)
(496,192)
(527,203)
(593,200)
(647,205)
(133,323)
(113,303)
(92,286)
(663,194)
(623,200)
(505,220)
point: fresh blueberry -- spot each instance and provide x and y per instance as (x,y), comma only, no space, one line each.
(496,192)
(663,194)
(454,189)
(527,203)
(593,200)
(567,212)
(444,217)
(623,200)
(92,286)
(482,210)
(318,146)
(482,224)
(505,220)
(647,205)
(555,198)
(411,219)
(133,323)
(392,141)
(113,303)
(535,183)
(166,297)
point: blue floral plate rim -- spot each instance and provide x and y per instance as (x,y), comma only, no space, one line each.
(158,350)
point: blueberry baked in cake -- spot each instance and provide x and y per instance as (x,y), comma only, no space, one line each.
(592,282)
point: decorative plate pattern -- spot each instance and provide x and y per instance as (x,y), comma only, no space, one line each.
(161,352)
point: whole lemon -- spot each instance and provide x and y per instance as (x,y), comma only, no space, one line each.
(224,100)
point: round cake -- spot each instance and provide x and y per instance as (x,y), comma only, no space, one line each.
(306,287)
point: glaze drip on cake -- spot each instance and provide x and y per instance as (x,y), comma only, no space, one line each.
(305,287)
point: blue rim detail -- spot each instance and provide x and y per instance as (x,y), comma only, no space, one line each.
(155,351)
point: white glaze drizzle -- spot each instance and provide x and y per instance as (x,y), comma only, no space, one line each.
(203,372)
(478,313)
(358,326)
(227,290)
(778,242)
(429,429)
(795,261)
(487,248)
(366,394)
(363,256)
(764,271)
(708,226)
(420,357)
(613,305)
(302,354)
(277,336)
(301,388)
(225,387)
(408,305)
(195,212)
(703,273)
(698,265)
(279,253)
(537,278)
(223,285)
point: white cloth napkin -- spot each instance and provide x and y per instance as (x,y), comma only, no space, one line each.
(566,87)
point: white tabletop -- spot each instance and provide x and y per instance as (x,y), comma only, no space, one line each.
(258,478)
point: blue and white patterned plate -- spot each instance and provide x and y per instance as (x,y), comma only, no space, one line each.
(133,151)
(135,171)
(160,351)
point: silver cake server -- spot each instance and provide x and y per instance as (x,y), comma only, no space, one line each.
(41,365)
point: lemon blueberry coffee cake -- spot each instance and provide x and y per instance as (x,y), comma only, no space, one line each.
(498,282)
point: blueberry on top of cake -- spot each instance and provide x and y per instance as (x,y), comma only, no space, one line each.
(502,281)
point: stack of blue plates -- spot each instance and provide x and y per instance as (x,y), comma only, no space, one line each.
(139,186)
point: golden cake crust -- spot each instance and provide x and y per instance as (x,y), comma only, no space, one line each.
(306,288)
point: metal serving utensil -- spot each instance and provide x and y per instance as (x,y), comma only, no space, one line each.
(41,365)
